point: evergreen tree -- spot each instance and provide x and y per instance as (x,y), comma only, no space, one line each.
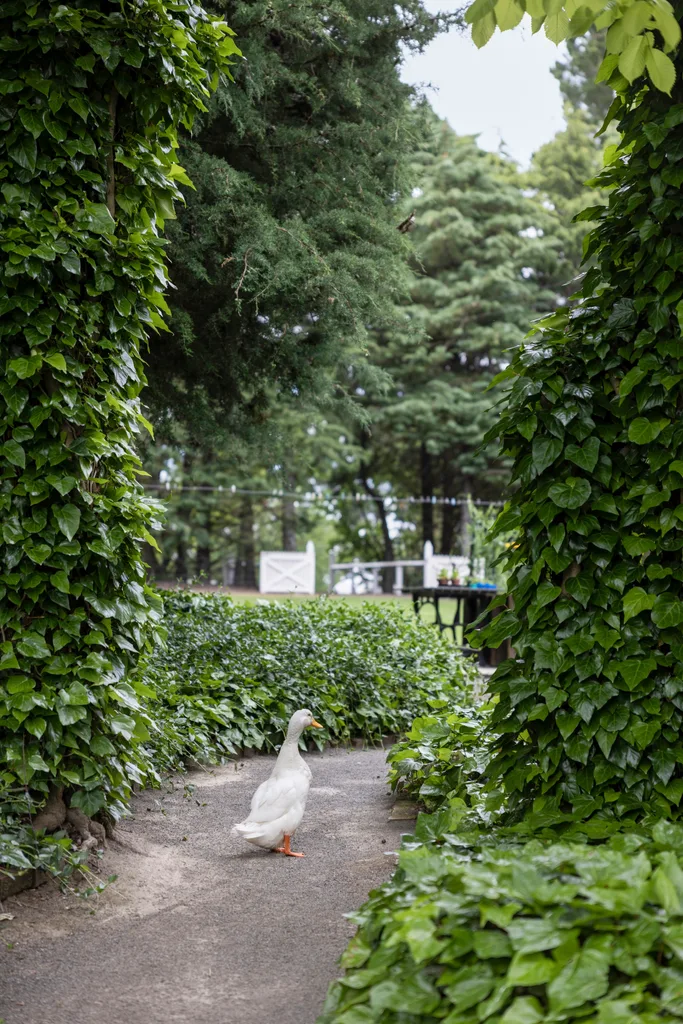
(488,260)
(288,248)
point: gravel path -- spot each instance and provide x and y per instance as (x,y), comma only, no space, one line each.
(201,928)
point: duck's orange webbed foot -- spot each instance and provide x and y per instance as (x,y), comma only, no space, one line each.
(287,850)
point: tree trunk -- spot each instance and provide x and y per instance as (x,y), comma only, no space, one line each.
(387,542)
(181,559)
(427,491)
(288,517)
(450,514)
(245,567)
(203,562)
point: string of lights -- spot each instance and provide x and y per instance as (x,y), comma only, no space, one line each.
(312,496)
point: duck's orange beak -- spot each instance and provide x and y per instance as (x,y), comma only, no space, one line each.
(317,725)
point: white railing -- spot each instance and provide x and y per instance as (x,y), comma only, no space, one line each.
(363,577)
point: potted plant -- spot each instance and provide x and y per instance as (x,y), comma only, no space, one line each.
(442,578)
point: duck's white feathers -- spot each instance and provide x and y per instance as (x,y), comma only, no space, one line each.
(277,808)
(278,805)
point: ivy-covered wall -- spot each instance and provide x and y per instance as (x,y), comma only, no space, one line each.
(91,97)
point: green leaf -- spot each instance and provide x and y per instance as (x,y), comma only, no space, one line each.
(122,724)
(636,601)
(635,670)
(409,995)
(531,969)
(661,70)
(557,26)
(68,518)
(36,726)
(33,646)
(572,493)
(582,980)
(586,456)
(483,29)
(644,431)
(522,1010)
(24,152)
(667,611)
(580,587)
(544,452)
(102,747)
(508,14)
(32,121)
(632,59)
(57,360)
(14,453)
(60,580)
(36,762)
(96,218)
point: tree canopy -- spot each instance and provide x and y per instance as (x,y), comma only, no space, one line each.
(287,249)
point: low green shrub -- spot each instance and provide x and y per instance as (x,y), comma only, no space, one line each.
(467,932)
(230,675)
(441,757)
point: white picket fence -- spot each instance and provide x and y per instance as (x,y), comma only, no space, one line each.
(288,572)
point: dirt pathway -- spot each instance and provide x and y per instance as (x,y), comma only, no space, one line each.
(201,928)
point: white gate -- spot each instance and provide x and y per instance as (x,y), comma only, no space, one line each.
(288,572)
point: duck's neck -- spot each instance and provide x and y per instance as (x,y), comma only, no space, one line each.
(289,756)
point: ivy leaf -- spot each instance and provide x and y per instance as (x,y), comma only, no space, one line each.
(580,587)
(644,431)
(32,121)
(586,456)
(33,646)
(635,670)
(583,979)
(24,152)
(667,611)
(68,518)
(14,453)
(572,493)
(122,724)
(96,218)
(37,726)
(60,580)
(636,601)
(544,451)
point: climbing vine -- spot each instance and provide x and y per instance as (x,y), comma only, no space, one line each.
(91,98)
(590,712)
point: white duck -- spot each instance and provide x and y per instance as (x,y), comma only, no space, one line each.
(278,805)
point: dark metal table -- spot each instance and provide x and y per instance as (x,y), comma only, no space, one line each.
(470,602)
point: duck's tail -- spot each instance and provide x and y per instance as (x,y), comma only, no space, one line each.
(249,830)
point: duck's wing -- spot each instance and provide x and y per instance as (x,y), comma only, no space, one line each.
(277,795)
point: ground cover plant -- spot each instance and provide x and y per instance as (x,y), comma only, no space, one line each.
(230,675)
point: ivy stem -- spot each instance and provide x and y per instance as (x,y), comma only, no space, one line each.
(111,177)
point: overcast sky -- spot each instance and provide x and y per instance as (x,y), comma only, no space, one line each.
(503,92)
